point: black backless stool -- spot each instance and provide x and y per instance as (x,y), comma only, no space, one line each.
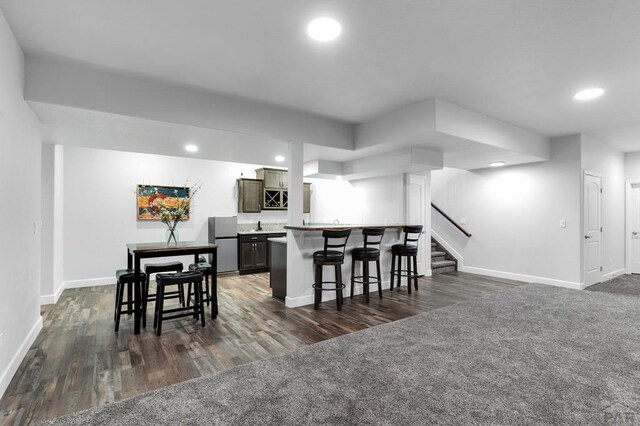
(408,249)
(124,277)
(208,295)
(369,253)
(155,268)
(178,279)
(333,239)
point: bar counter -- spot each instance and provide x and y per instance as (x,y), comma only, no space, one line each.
(303,241)
(323,226)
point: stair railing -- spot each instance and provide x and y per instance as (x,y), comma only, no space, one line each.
(453,222)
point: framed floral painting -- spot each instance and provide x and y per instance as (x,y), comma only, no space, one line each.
(152,197)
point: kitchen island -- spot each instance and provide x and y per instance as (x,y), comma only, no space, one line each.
(303,241)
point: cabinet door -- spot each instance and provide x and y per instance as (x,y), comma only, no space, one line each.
(260,255)
(306,198)
(251,194)
(272,179)
(284,178)
(247,255)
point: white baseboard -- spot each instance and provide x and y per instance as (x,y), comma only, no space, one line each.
(295,302)
(522,277)
(14,364)
(613,274)
(52,299)
(49,299)
(307,299)
(91,282)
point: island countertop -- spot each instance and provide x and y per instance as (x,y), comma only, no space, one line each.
(321,227)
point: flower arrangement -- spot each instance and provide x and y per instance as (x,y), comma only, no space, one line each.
(173,210)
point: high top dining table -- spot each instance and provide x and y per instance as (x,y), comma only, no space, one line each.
(138,251)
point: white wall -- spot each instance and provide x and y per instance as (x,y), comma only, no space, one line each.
(514,215)
(632,166)
(100,205)
(609,163)
(20,141)
(47,207)
(369,201)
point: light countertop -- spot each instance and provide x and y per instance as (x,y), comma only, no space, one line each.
(282,231)
(321,227)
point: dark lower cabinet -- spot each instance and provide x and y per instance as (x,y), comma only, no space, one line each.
(278,269)
(253,253)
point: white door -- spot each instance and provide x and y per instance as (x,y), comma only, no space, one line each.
(634,231)
(416,204)
(592,229)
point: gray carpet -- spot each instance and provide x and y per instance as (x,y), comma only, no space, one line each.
(624,284)
(533,355)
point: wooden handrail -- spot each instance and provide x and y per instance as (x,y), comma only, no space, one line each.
(453,222)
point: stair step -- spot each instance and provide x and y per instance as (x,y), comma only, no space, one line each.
(433,245)
(442,263)
(438,253)
(443,266)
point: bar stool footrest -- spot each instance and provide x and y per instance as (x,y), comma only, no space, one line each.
(316,287)
(359,279)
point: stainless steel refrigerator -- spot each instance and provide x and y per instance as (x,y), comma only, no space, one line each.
(223,231)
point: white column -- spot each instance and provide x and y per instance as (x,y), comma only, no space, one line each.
(58,222)
(296,285)
(295,185)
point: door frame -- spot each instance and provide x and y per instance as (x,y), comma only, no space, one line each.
(423,182)
(583,253)
(627,225)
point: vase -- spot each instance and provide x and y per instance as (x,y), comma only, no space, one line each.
(171,237)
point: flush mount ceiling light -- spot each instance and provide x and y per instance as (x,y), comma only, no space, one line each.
(279,158)
(324,29)
(191,148)
(497,164)
(585,95)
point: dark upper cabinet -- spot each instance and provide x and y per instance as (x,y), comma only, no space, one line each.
(249,195)
(273,178)
(268,192)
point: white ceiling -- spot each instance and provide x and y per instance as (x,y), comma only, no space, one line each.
(517,60)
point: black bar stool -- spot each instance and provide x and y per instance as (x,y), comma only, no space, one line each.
(124,277)
(366,254)
(178,279)
(154,268)
(328,257)
(408,249)
(209,296)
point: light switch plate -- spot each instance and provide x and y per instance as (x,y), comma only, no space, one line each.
(463,221)
(563,223)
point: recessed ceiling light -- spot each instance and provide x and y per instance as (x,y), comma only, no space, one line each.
(191,148)
(587,94)
(324,29)
(279,158)
(497,164)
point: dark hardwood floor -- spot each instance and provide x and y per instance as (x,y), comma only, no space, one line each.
(79,362)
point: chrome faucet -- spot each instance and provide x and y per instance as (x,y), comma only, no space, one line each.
(336,222)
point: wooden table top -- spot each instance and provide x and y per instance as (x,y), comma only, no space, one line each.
(181,246)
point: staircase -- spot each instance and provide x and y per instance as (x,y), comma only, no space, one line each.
(441,260)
